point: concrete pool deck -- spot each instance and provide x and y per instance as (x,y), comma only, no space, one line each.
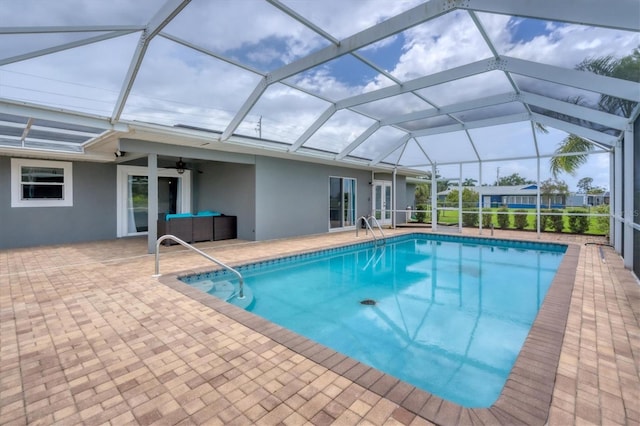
(90,337)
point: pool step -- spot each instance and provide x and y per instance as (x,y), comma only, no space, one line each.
(226,291)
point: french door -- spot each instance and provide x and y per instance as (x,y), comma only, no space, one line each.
(174,196)
(381,201)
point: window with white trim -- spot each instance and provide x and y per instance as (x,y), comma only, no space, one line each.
(41,183)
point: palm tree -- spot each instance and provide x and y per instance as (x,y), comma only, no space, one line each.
(570,163)
(627,68)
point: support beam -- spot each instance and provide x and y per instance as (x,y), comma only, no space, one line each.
(70,29)
(628,197)
(392,147)
(513,118)
(170,9)
(460,205)
(11,107)
(616,194)
(244,109)
(618,14)
(391,26)
(62,47)
(593,135)
(582,113)
(619,88)
(152,203)
(434,198)
(359,140)
(456,73)
(311,130)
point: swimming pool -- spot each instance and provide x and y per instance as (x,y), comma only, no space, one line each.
(450,313)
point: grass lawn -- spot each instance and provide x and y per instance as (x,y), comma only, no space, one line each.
(450,217)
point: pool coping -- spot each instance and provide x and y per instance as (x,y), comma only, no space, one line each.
(525,398)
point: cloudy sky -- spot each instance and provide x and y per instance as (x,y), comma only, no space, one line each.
(181,85)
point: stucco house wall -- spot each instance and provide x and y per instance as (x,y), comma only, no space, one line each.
(92,216)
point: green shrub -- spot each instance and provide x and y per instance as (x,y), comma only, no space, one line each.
(520,219)
(470,218)
(557,223)
(421,216)
(503,218)
(545,219)
(487,219)
(578,224)
(601,222)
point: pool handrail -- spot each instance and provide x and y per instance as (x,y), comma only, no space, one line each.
(366,221)
(200,252)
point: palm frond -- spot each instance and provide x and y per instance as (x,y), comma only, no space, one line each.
(570,163)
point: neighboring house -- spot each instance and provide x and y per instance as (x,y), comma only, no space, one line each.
(587,200)
(515,197)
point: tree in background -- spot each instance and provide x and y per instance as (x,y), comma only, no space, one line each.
(584,185)
(513,180)
(469,198)
(423,190)
(551,187)
(596,190)
(469,182)
(627,68)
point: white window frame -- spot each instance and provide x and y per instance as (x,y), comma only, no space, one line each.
(121,193)
(353,202)
(16,183)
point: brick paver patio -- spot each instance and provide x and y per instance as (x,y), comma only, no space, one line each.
(88,336)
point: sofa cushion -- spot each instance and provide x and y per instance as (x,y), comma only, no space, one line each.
(208,213)
(177,215)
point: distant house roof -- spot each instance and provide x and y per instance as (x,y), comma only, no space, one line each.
(529,189)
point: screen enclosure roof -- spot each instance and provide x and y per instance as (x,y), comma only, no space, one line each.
(374,83)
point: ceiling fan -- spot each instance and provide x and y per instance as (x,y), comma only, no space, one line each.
(181,166)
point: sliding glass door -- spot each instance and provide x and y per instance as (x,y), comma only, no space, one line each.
(342,202)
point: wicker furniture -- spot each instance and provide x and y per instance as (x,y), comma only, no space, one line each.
(200,227)
(225,228)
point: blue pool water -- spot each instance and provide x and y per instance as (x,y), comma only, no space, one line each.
(450,316)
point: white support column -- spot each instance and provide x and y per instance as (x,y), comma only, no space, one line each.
(152,200)
(480,197)
(538,198)
(617,198)
(460,200)
(612,184)
(434,199)
(628,197)
(394,206)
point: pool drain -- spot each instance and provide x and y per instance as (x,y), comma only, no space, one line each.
(368,302)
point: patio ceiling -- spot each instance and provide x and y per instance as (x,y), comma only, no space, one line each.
(381,84)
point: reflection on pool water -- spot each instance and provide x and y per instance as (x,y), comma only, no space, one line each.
(446,314)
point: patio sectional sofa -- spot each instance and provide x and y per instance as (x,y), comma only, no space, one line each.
(202,226)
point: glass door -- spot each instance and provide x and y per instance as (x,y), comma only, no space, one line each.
(342,202)
(174,196)
(138,201)
(381,200)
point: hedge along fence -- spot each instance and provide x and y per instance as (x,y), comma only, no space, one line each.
(594,221)
(503,218)
(578,224)
(520,219)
